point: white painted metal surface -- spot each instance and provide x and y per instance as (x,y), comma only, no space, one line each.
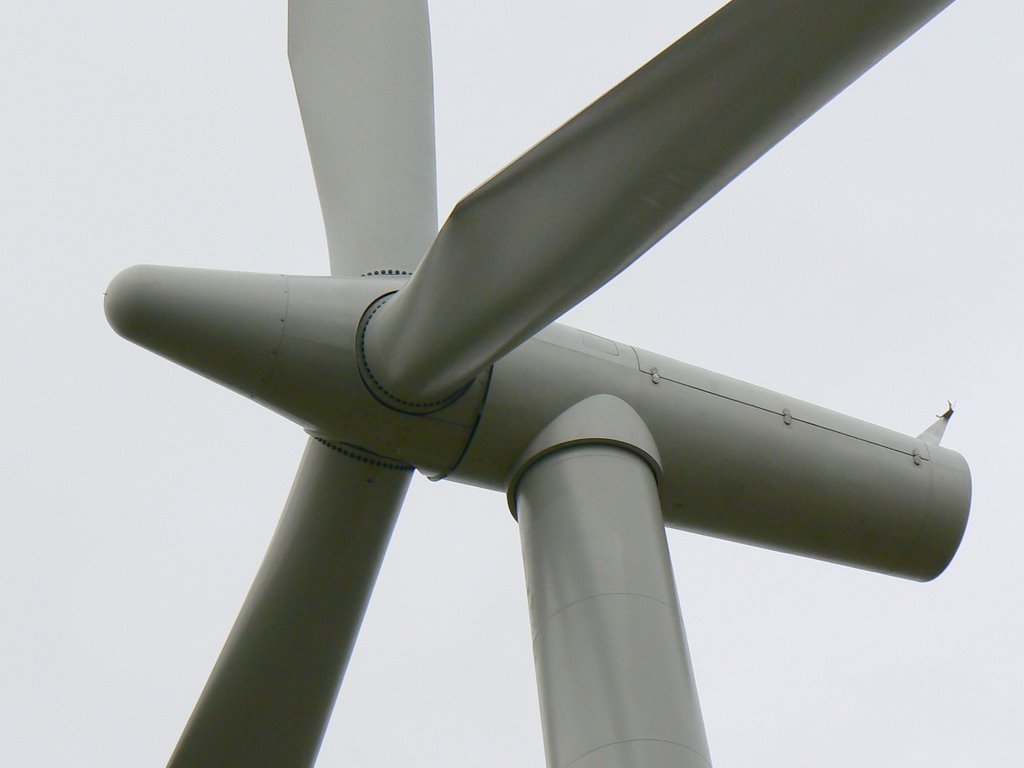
(381,384)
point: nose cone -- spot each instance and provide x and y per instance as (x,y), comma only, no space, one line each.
(226,326)
(132,301)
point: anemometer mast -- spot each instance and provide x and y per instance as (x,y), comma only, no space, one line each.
(597,445)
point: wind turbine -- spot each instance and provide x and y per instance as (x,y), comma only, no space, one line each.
(450,363)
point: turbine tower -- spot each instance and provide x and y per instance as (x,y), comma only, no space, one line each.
(438,351)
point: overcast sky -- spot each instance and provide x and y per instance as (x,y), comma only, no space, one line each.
(870,264)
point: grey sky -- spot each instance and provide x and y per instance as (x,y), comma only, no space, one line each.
(870,263)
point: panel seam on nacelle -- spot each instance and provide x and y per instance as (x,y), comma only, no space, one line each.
(915,454)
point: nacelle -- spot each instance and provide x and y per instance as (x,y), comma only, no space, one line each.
(739,461)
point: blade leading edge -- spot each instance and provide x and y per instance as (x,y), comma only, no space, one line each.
(586,202)
(364,81)
(270,695)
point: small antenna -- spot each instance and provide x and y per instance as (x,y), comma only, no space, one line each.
(933,435)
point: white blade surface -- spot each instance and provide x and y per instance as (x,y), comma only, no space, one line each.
(271,692)
(364,81)
(590,199)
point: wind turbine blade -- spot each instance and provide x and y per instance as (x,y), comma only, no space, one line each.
(364,82)
(271,692)
(586,202)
